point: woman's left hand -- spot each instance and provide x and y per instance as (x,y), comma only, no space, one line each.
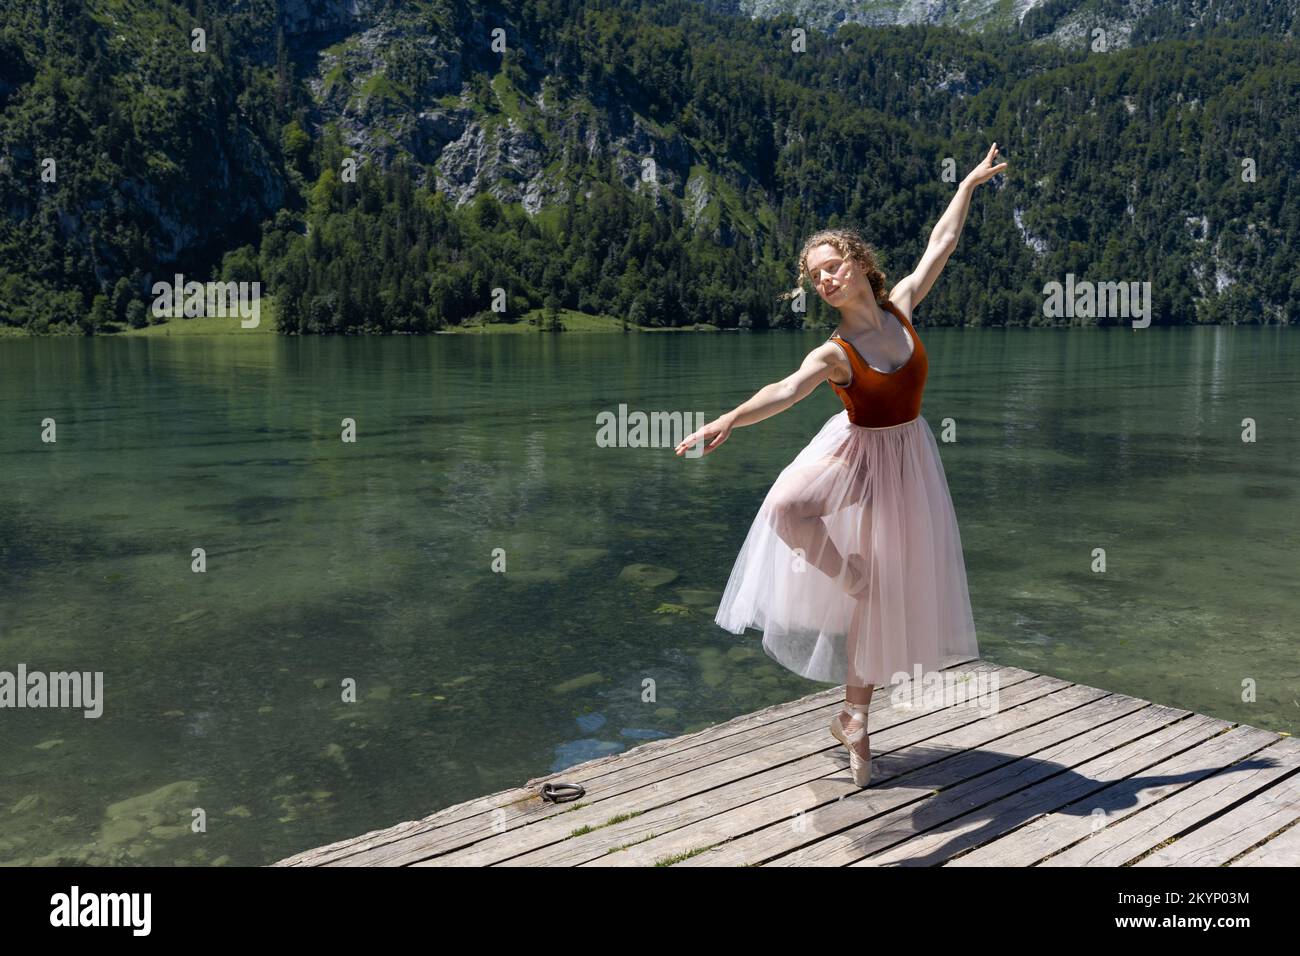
(986,170)
(719,430)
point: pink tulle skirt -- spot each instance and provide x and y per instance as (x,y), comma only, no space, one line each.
(879,493)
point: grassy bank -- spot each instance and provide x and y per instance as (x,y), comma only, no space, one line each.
(571,320)
(210,325)
(198,325)
(529,323)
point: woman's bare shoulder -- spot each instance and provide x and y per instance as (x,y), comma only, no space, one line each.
(903,303)
(828,351)
(830,355)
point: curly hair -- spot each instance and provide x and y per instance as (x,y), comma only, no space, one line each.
(848,242)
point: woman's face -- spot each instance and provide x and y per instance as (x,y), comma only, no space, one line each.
(836,277)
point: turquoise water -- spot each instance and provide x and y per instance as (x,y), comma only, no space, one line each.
(372,561)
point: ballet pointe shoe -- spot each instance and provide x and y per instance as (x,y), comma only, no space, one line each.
(853,577)
(861,768)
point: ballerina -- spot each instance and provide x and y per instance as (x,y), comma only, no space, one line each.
(853,565)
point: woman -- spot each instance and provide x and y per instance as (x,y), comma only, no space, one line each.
(853,566)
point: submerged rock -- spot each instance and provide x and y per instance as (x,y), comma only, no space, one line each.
(295,805)
(334,752)
(169,805)
(168,833)
(577,683)
(698,597)
(29,802)
(647,575)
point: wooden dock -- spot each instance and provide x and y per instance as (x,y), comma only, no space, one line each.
(1057,774)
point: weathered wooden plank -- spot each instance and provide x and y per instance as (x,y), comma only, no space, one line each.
(1241,827)
(749,773)
(770,797)
(654,764)
(787,814)
(1076,770)
(1281,850)
(972,779)
(953,785)
(913,775)
(1130,838)
(578,773)
(1055,831)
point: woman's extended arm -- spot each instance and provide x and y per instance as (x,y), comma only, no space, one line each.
(768,400)
(910,290)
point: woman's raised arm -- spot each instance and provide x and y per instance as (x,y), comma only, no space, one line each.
(769,400)
(911,289)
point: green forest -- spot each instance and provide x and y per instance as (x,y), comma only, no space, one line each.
(127,156)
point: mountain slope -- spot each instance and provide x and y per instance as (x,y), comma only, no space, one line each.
(656,161)
(1067,23)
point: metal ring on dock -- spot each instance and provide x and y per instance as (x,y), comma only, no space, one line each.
(562,792)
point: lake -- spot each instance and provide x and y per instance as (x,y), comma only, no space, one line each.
(331,562)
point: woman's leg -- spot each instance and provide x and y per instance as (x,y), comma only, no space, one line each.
(856,702)
(857,692)
(798,506)
(858,688)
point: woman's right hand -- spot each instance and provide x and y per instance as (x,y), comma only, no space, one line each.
(985,170)
(718,430)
